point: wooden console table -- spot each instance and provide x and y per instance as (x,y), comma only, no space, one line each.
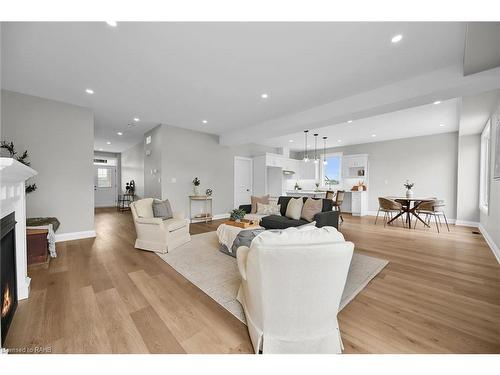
(207,214)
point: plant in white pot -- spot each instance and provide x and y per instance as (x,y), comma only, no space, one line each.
(408,185)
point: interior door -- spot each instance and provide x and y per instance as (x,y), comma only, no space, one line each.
(243,184)
(105,186)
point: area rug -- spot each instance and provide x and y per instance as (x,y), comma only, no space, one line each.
(201,262)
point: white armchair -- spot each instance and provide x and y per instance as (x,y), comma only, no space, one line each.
(156,234)
(292,283)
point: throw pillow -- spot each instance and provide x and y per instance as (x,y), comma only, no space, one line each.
(143,207)
(294,208)
(162,209)
(255,200)
(268,209)
(311,208)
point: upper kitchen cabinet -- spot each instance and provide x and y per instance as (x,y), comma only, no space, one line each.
(355,166)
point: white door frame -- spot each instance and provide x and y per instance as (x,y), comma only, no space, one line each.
(234,176)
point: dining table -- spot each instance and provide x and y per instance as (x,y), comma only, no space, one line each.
(410,208)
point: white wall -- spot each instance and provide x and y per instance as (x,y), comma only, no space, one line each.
(469,147)
(490,223)
(60,140)
(152,163)
(187,154)
(132,168)
(429,161)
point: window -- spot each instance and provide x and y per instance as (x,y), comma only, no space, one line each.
(484,182)
(103,177)
(331,175)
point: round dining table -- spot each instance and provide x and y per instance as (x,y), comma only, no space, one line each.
(410,209)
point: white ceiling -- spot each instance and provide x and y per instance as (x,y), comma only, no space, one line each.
(412,122)
(182,73)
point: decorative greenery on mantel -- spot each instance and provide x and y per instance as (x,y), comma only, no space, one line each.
(22,158)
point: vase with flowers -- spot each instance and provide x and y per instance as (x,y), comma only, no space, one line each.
(196,186)
(408,185)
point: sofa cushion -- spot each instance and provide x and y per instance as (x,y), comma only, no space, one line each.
(162,209)
(280,222)
(294,208)
(144,207)
(268,209)
(283,200)
(174,224)
(254,200)
(311,208)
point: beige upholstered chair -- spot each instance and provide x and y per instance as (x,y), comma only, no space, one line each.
(294,310)
(434,208)
(156,234)
(389,207)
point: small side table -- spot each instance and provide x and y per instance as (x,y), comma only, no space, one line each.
(207,215)
(124,201)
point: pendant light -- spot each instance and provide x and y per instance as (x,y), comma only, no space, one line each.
(316,160)
(325,162)
(306,157)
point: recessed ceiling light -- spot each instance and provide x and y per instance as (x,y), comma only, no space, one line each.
(205,121)
(108,142)
(291,141)
(339,140)
(437,102)
(119,133)
(264,96)
(137,119)
(89,91)
(441,125)
(111,23)
(374,135)
(100,149)
(397,38)
(349,121)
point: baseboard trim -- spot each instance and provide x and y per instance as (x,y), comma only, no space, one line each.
(494,248)
(466,223)
(75,235)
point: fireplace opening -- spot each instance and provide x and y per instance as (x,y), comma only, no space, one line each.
(8,280)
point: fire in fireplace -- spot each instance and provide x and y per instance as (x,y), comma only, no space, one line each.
(8,280)
(6,301)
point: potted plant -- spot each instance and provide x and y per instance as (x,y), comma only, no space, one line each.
(408,185)
(196,186)
(237,214)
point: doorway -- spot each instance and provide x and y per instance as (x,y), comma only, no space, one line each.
(105,186)
(243,180)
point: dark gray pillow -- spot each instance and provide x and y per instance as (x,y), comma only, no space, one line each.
(162,209)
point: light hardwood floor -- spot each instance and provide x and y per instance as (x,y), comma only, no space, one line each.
(440,293)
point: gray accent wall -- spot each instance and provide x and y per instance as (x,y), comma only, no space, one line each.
(469,151)
(187,154)
(132,168)
(153,163)
(60,140)
(429,161)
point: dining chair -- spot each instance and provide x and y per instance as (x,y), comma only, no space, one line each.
(339,198)
(330,194)
(433,208)
(388,207)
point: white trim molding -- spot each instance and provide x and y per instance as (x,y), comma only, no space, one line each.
(75,235)
(465,223)
(494,248)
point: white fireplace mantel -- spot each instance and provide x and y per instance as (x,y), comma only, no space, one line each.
(13,175)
